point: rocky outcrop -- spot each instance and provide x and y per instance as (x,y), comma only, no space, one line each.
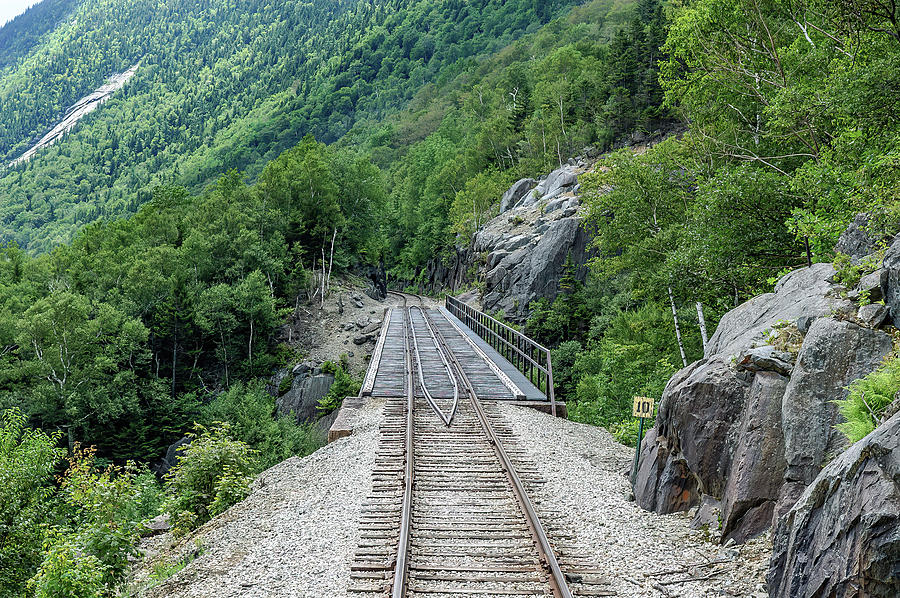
(527,267)
(307,387)
(857,242)
(515,193)
(801,297)
(522,252)
(833,354)
(891,281)
(749,426)
(842,537)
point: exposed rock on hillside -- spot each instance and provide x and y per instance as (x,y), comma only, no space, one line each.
(842,538)
(523,251)
(307,387)
(745,429)
(891,290)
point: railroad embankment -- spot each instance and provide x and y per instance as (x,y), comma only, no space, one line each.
(296,534)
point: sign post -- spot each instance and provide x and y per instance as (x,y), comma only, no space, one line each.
(643,407)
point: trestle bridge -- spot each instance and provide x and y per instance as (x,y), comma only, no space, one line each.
(452,510)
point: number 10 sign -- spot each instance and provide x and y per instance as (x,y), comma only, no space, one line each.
(643,407)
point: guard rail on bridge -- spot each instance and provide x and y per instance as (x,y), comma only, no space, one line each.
(529,357)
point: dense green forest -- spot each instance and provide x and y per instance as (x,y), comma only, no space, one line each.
(792,113)
(257,135)
(221,84)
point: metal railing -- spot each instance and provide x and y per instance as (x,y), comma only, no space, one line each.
(528,356)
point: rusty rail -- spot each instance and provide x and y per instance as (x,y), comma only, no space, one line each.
(528,356)
(556,577)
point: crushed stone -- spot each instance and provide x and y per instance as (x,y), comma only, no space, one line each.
(293,537)
(642,554)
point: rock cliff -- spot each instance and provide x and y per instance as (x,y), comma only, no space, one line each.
(842,537)
(520,254)
(746,429)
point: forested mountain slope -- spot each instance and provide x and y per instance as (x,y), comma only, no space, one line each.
(222,85)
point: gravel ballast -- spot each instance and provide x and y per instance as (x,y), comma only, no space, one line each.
(293,537)
(640,553)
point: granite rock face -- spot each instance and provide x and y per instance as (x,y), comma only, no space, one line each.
(308,386)
(891,281)
(833,355)
(516,193)
(806,293)
(750,425)
(856,241)
(842,537)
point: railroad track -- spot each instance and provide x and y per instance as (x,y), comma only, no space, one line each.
(450,512)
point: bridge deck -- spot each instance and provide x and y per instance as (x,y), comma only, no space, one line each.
(529,391)
(492,376)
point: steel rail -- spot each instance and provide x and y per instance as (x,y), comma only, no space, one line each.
(440,351)
(558,583)
(401,566)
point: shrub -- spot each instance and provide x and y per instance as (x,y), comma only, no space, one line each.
(212,473)
(869,396)
(27,460)
(344,386)
(66,573)
(564,375)
(108,508)
(250,412)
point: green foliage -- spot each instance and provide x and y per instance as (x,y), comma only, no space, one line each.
(27,460)
(66,572)
(869,396)
(108,508)
(848,273)
(634,357)
(344,386)
(800,92)
(250,412)
(227,86)
(212,473)
(589,79)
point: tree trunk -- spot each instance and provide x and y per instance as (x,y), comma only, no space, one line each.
(331,260)
(250,345)
(702,320)
(224,356)
(677,328)
(174,356)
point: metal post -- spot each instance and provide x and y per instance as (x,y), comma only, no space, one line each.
(637,452)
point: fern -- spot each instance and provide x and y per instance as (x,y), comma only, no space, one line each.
(865,405)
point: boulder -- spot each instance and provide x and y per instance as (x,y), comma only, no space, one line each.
(515,193)
(872,315)
(697,412)
(891,286)
(556,181)
(833,354)
(803,293)
(372,328)
(362,339)
(308,387)
(555,205)
(664,483)
(842,537)
(856,241)
(757,470)
(872,283)
(766,358)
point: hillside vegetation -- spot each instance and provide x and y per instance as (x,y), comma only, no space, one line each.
(222,85)
(150,257)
